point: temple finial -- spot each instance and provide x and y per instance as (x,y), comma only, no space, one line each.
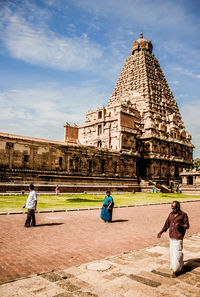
(141,44)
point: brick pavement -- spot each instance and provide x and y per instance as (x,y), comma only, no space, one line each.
(141,273)
(66,239)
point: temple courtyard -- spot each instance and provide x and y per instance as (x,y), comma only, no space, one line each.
(74,253)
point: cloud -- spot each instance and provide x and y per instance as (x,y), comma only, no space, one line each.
(145,12)
(43,111)
(174,82)
(190,114)
(39,45)
(186,72)
(50,2)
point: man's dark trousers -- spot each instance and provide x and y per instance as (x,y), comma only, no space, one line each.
(30,220)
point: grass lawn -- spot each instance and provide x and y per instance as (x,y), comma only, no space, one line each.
(53,202)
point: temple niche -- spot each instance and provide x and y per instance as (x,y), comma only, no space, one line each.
(136,142)
(190,182)
(142,118)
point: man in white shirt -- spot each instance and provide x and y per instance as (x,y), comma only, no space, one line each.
(31,204)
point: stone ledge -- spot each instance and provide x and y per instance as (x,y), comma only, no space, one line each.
(16,212)
(92,208)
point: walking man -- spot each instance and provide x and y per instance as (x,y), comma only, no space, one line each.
(31,204)
(177,223)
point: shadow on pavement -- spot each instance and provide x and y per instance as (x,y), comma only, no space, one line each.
(49,224)
(118,221)
(190,265)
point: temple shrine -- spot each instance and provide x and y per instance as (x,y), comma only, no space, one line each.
(137,142)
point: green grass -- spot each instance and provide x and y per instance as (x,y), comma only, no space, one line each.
(53,202)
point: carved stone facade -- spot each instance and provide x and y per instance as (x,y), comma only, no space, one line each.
(114,128)
(190,182)
(77,168)
(17,152)
(139,135)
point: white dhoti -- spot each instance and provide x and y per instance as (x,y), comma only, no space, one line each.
(176,254)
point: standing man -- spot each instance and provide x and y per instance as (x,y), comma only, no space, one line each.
(177,223)
(31,204)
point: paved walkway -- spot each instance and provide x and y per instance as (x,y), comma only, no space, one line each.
(142,273)
(63,240)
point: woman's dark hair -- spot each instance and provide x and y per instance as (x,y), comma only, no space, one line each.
(107,192)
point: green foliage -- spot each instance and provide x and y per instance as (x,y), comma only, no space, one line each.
(197,163)
(56,202)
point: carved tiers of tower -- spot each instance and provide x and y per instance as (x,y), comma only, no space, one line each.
(141,107)
(141,44)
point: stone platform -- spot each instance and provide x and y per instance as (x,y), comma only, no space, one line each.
(17,181)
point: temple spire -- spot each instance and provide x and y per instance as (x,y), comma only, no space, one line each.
(143,83)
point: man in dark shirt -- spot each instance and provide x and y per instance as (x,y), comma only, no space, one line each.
(177,223)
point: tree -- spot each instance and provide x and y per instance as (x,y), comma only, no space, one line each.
(197,164)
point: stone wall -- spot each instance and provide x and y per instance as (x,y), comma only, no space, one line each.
(190,182)
(43,155)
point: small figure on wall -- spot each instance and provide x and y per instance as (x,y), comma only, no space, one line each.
(57,190)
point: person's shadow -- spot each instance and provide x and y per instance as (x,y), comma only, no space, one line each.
(190,265)
(118,221)
(48,224)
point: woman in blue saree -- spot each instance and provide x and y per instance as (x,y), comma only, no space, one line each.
(107,209)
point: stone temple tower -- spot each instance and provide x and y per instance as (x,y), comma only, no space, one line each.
(142,119)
